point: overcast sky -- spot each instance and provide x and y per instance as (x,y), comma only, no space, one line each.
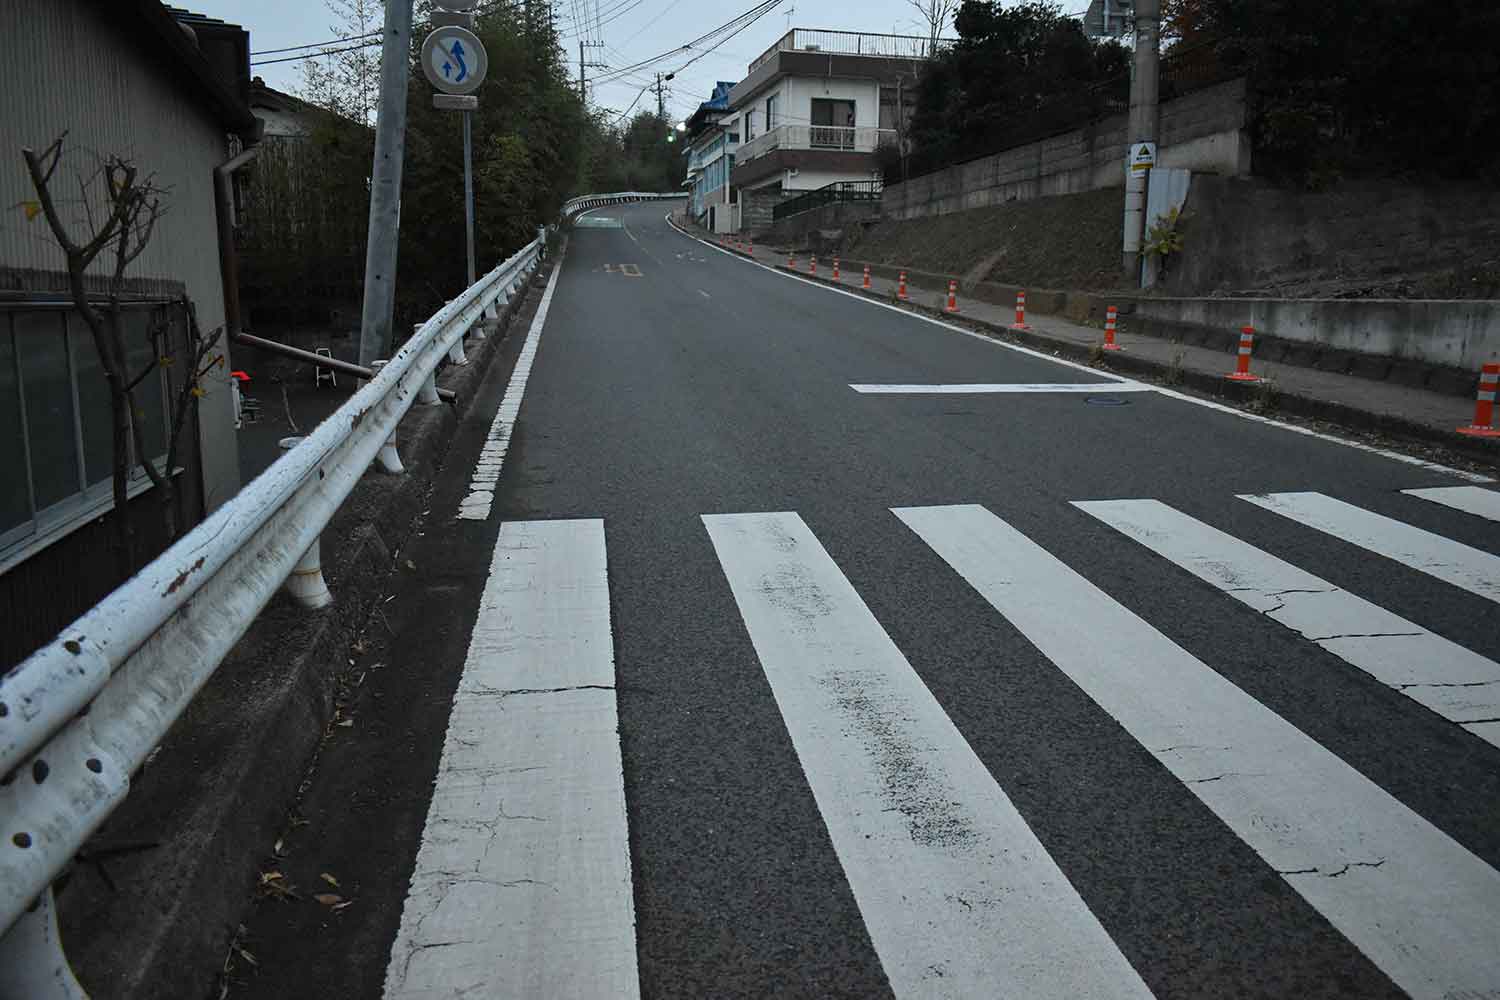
(637,30)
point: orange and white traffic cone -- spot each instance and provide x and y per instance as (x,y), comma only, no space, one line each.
(1020,323)
(867,277)
(1111,316)
(814,268)
(901,288)
(1241,371)
(835,269)
(791,260)
(952,296)
(1484,406)
(750,248)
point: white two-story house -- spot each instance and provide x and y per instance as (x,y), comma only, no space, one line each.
(813,110)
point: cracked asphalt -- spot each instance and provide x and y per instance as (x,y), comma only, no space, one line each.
(708,386)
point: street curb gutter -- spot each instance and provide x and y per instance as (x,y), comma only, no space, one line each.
(150,908)
(1245,395)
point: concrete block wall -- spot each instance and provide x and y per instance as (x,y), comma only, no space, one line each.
(1203,131)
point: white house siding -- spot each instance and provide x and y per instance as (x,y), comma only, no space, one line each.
(803,90)
(67,67)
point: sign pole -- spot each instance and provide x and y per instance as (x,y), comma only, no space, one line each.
(385,186)
(469,188)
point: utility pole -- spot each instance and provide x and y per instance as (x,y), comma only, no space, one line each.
(661,106)
(1144,87)
(385,186)
(583,67)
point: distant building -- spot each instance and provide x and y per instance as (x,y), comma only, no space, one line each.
(284,116)
(710,155)
(168,89)
(814,109)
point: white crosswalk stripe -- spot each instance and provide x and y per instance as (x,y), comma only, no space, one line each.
(522,884)
(1470,499)
(1454,682)
(1418,904)
(1452,562)
(959,897)
(523,881)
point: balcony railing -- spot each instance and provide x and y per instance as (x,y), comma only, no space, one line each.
(861,139)
(852,43)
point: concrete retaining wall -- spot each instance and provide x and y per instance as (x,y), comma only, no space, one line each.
(1456,333)
(1204,131)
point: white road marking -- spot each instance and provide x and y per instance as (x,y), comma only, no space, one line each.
(1452,562)
(522,884)
(476,506)
(984,388)
(960,898)
(704,294)
(1456,683)
(1422,907)
(1469,499)
(1395,456)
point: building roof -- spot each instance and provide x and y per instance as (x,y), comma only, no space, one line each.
(710,109)
(202,53)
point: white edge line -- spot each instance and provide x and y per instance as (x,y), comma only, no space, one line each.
(478,503)
(1472,477)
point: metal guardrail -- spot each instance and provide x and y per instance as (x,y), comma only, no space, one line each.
(80,716)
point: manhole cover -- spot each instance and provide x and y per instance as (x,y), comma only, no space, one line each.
(1106,401)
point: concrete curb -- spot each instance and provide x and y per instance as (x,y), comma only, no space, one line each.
(1486,451)
(1243,395)
(1089,307)
(150,911)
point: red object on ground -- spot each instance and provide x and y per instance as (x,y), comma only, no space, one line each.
(814,268)
(1020,323)
(791,260)
(1484,406)
(1111,316)
(901,290)
(952,296)
(835,269)
(1241,371)
(242,376)
(867,276)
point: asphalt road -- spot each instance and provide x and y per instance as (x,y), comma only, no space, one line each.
(930,670)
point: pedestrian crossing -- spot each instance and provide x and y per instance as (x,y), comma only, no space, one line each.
(959,896)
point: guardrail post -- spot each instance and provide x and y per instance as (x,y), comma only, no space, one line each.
(32,963)
(305,585)
(389,459)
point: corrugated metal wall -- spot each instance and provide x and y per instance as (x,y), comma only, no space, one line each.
(65,67)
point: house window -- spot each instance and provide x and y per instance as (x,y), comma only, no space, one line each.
(773,117)
(56,430)
(832,124)
(749,125)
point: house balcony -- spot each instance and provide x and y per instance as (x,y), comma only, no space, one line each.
(811,147)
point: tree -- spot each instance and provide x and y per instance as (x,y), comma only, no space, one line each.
(937,15)
(345,79)
(120,210)
(1016,74)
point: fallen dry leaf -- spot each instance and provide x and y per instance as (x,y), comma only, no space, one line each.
(328,898)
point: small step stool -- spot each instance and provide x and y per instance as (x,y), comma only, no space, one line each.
(321,374)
